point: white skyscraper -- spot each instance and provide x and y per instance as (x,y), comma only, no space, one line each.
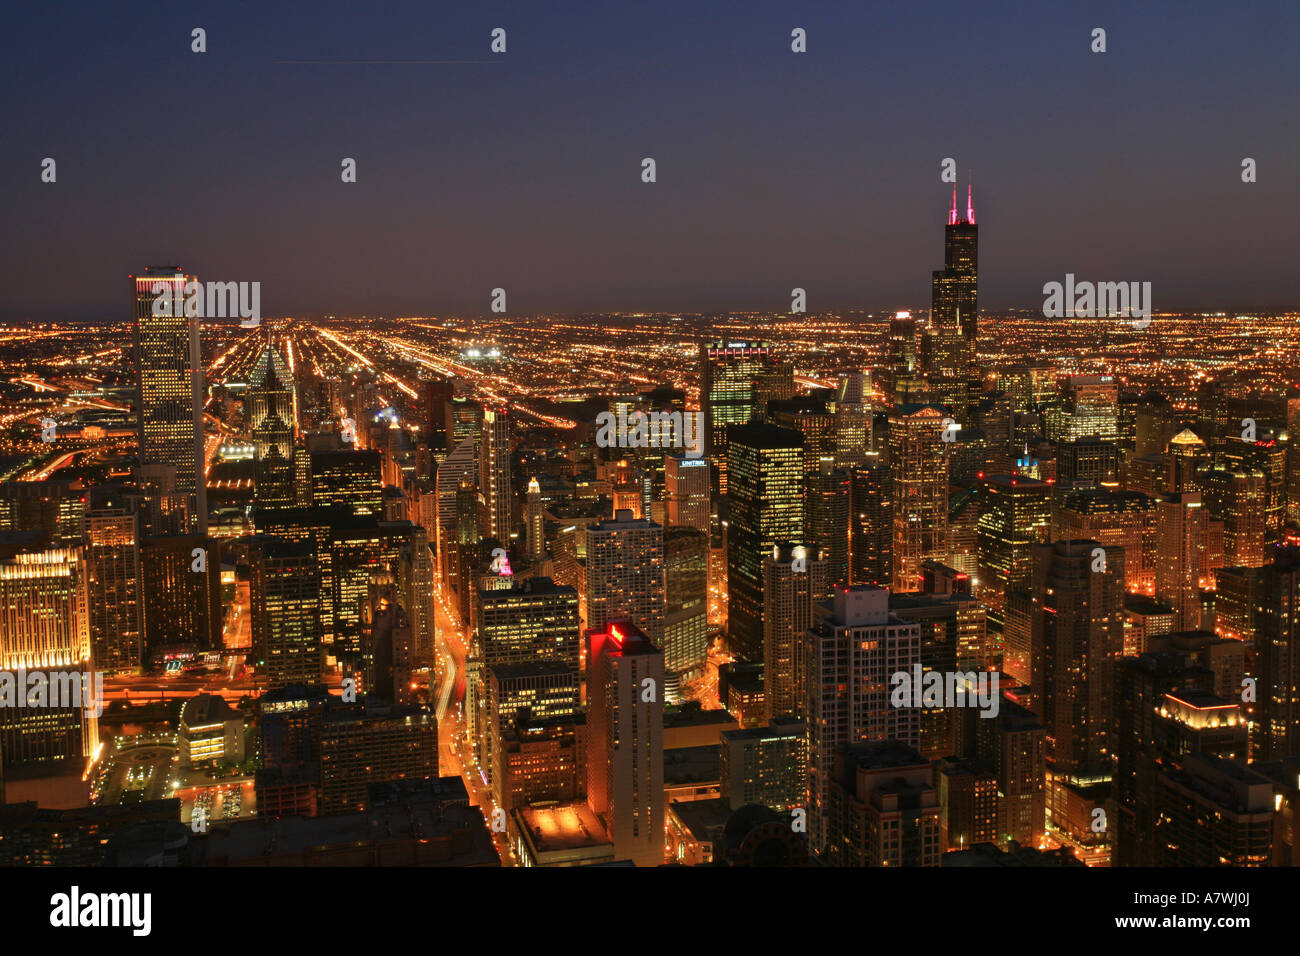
(625,740)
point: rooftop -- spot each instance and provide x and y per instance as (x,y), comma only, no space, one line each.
(207,709)
(562,826)
(781,727)
(883,755)
(685,765)
(703,819)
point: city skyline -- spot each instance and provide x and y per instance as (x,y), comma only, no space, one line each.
(373,476)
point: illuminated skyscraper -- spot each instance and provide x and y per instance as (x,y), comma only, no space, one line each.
(943,357)
(464,419)
(995,418)
(902,373)
(686,486)
(1214,812)
(1015,513)
(113,575)
(350,478)
(795,581)
(1277,637)
(414,577)
(1028,386)
(363,745)
(850,658)
(540,761)
(968,794)
(51,507)
(1292,484)
(686,624)
(181,605)
(44,627)
(356,549)
(871,522)
(163,510)
(495,501)
(953,639)
(1180,556)
(1184,459)
(1213,412)
(1013,745)
(1239,498)
(1077,636)
(959,303)
(954,312)
(1123,519)
(169,412)
(436,392)
(538,690)
(284,596)
(386,644)
(1155,421)
(1142,738)
(810,416)
(1234,603)
(1088,459)
(766,501)
(918,460)
(269,402)
(1089,409)
(737,379)
(882,808)
(1267,456)
(765,765)
(625,739)
(536,620)
(853,420)
(534,522)
(625,574)
(300,460)
(464,551)
(457,469)
(826,517)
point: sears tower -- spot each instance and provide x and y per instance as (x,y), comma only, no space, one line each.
(955,378)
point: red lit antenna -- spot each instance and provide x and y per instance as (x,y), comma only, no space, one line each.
(952,210)
(970,202)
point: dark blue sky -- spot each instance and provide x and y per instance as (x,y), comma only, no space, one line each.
(775,169)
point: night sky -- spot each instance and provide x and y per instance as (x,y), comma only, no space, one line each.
(522,170)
